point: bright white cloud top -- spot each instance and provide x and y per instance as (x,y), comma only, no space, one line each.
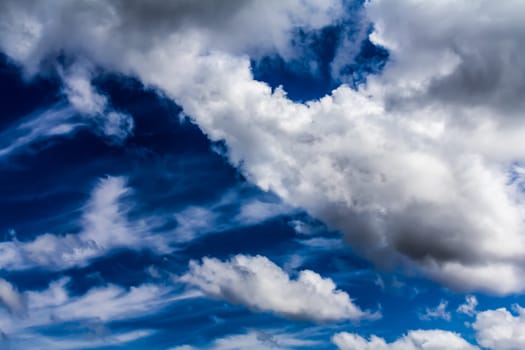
(501,330)
(259,284)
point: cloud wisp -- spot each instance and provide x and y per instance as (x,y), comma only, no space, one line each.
(104,227)
(97,308)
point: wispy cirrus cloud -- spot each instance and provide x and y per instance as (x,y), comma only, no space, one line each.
(104,227)
(99,306)
(257,340)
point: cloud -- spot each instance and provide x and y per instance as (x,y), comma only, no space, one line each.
(83,96)
(420,168)
(256,340)
(234,209)
(104,227)
(87,109)
(469,307)
(501,330)
(56,121)
(32,31)
(39,342)
(101,306)
(11,299)
(259,284)
(439,312)
(413,340)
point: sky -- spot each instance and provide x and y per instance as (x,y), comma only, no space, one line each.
(249,174)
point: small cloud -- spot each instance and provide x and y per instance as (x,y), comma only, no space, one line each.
(469,307)
(85,98)
(439,312)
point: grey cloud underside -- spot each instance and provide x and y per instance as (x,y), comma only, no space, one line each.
(420,167)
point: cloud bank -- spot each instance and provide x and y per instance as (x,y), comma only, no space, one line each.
(420,168)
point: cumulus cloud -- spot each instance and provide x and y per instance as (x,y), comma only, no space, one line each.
(420,168)
(500,329)
(259,284)
(413,340)
(469,307)
(439,312)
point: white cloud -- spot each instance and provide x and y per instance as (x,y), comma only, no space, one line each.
(501,330)
(259,284)
(469,307)
(83,96)
(256,340)
(87,109)
(413,340)
(196,221)
(439,312)
(80,92)
(40,342)
(104,227)
(99,305)
(414,167)
(11,299)
(56,121)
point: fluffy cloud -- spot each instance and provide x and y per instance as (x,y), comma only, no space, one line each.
(261,285)
(414,340)
(501,330)
(419,168)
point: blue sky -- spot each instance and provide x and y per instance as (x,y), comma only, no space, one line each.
(261,175)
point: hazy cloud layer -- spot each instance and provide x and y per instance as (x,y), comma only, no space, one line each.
(422,167)
(261,285)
